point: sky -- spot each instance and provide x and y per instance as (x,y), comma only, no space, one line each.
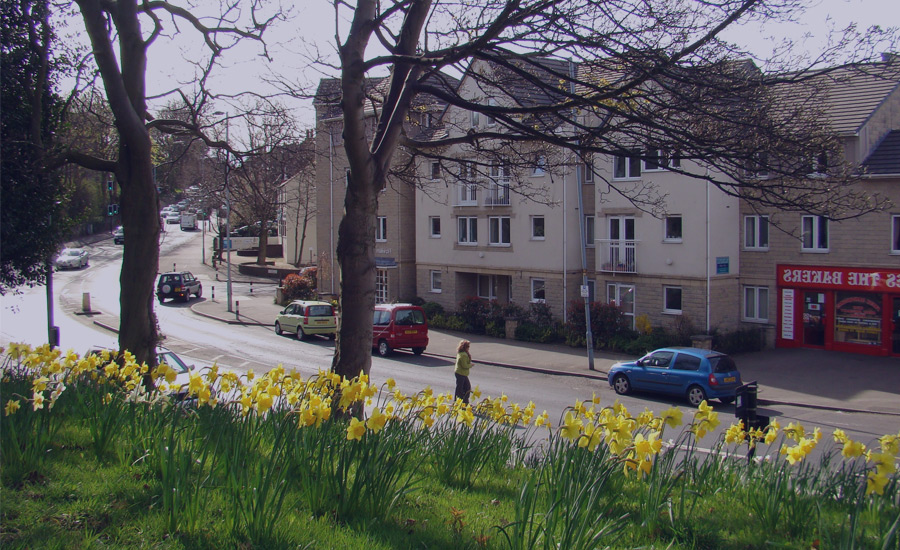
(313,22)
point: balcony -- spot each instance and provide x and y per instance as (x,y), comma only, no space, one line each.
(616,256)
(497,195)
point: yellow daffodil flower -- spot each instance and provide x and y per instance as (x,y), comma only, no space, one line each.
(11,407)
(356,429)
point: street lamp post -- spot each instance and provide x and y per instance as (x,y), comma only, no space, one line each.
(227,211)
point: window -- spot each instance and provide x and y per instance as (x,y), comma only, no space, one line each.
(436,281)
(476,119)
(815,234)
(659,159)
(672,299)
(673,229)
(435,170)
(491,121)
(489,286)
(467,188)
(589,232)
(587,169)
(381,286)
(434,224)
(537,228)
(756,232)
(468,230)
(540,166)
(622,295)
(895,234)
(498,193)
(498,230)
(686,362)
(626,166)
(756,303)
(381,229)
(538,292)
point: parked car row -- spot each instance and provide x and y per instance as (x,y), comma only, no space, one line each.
(394,326)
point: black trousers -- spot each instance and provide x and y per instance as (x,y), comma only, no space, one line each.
(463,387)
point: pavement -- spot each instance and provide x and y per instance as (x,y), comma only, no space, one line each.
(816,379)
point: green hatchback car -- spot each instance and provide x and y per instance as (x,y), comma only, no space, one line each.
(304,318)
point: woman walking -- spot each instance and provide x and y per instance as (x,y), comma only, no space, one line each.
(463,365)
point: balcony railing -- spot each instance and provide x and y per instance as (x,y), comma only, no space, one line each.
(497,195)
(616,256)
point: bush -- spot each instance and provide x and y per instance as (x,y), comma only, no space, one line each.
(447,321)
(542,334)
(432,309)
(299,287)
(495,329)
(739,341)
(478,312)
(608,322)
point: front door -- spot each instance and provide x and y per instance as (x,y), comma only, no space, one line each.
(814,318)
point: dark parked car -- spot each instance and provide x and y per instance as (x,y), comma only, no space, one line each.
(178,284)
(696,374)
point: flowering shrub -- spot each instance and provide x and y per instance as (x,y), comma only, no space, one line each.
(299,287)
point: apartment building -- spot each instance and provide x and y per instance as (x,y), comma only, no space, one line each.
(817,283)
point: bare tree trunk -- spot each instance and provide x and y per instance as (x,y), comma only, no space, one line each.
(356,256)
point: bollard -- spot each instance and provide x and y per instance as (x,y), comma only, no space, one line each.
(173,267)
(86,302)
(251,287)
(237,309)
(213,294)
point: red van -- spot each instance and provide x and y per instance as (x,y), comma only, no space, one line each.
(399,326)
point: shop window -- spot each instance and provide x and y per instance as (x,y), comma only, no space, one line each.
(857,317)
(756,232)
(756,304)
(672,299)
(381,286)
(815,234)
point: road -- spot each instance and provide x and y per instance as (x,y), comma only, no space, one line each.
(241,348)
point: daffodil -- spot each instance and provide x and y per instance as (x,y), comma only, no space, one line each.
(11,407)
(852,449)
(37,401)
(672,417)
(376,420)
(356,429)
(264,402)
(571,428)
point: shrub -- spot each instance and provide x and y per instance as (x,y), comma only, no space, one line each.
(432,309)
(299,287)
(542,334)
(739,341)
(495,329)
(478,312)
(608,321)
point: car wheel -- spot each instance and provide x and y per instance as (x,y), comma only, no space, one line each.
(696,395)
(384,349)
(418,351)
(727,400)
(199,291)
(278,330)
(300,334)
(621,384)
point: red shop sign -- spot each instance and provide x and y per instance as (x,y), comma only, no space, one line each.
(839,278)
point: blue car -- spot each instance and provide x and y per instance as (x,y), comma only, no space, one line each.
(697,374)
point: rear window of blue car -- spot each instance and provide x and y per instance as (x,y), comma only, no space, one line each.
(687,362)
(722,363)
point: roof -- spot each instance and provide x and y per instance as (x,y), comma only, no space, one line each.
(850,95)
(885,159)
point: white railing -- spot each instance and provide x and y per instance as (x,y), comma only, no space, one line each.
(617,256)
(497,195)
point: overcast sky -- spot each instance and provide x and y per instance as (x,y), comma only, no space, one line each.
(313,22)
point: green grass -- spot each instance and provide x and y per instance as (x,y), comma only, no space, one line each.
(260,481)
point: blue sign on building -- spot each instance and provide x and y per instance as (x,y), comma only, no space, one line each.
(721,265)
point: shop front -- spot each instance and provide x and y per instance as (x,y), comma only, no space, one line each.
(839,308)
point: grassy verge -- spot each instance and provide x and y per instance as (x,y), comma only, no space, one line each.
(90,460)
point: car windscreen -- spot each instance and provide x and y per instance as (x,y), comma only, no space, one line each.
(320,311)
(68,252)
(173,361)
(722,363)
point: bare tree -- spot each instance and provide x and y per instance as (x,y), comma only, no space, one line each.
(132,27)
(590,77)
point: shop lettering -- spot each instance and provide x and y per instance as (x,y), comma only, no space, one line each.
(813,276)
(893,281)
